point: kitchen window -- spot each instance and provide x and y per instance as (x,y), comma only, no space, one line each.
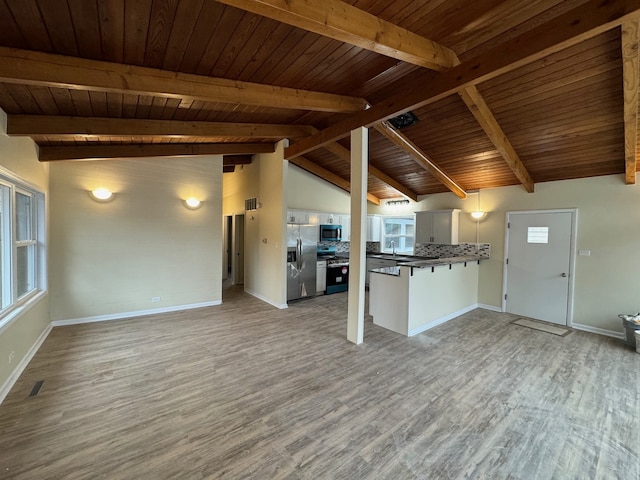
(400,231)
(22,273)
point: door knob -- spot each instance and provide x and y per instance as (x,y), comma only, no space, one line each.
(563,275)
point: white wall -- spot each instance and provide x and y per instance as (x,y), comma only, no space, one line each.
(19,156)
(111,258)
(265,228)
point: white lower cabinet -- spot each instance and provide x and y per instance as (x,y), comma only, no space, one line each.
(321,277)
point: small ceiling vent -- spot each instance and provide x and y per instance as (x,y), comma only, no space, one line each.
(404,120)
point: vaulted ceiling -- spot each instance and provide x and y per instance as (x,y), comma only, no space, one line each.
(505,92)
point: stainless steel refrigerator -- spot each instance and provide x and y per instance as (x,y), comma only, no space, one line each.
(302,241)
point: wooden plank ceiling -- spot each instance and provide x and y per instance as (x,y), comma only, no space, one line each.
(506,92)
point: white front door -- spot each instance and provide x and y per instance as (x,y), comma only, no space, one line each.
(538,265)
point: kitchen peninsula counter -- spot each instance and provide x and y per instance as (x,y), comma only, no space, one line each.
(417,295)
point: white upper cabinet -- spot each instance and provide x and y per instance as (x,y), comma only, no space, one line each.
(297,216)
(374,228)
(328,218)
(437,226)
(345,221)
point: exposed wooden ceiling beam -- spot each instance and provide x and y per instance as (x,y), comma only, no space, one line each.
(343,22)
(44,69)
(420,157)
(340,21)
(60,126)
(577,25)
(104,152)
(478,107)
(330,177)
(630,39)
(345,155)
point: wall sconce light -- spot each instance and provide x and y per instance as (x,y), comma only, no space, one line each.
(101,195)
(192,203)
(477,215)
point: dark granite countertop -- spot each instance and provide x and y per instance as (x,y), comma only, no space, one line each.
(432,262)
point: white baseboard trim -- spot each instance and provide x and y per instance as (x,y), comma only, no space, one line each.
(599,331)
(138,313)
(490,307)
(441,320)
(281,306)
(13,378)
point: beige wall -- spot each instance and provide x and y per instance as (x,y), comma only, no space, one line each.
(112,258)
(265,230)
(308,192)
(19,156)
(608,225)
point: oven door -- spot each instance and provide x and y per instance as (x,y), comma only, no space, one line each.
(337,278)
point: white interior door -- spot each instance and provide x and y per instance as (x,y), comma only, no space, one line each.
(538,265)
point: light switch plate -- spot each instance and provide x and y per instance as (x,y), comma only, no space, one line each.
(584,253)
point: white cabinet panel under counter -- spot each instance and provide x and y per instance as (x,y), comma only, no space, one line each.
(411,299)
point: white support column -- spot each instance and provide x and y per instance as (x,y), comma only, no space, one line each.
(357,255)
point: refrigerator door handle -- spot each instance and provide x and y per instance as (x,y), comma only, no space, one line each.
(299,254)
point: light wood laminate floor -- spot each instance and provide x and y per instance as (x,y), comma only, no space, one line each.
(244,390)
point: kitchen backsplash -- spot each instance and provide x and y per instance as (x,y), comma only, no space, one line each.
(430,250)
(438,250)
(341,247)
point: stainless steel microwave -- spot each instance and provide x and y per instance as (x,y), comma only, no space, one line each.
(331,233)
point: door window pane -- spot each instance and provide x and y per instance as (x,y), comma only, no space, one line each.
(538,235)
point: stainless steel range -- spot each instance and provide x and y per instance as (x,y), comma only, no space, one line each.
(337,269)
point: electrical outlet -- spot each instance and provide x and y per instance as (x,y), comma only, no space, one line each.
(11,355)
(155,299)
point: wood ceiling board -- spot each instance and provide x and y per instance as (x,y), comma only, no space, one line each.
(507,21)
(447,18)
(598,89)
(577,25)
(29,22)
(136,29)
(607,64)
(63,35)
(340,21)
(600,46)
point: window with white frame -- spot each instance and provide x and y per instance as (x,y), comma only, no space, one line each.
(21,244)
(398,234)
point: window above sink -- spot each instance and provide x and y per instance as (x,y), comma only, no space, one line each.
(398,234)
